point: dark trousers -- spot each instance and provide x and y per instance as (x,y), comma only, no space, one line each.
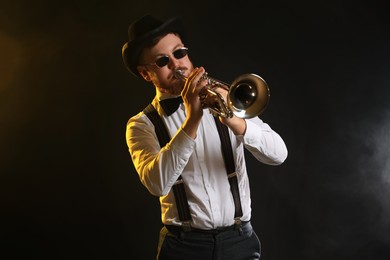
(232,244)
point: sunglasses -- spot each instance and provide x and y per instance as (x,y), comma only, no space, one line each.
(164,60)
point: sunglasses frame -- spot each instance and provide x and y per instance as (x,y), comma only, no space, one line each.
(168,58)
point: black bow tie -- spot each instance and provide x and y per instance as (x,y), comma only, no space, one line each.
(170,105)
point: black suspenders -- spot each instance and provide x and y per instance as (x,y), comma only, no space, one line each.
(178,187)
(227,153)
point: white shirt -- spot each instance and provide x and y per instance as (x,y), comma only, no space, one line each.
(200,163)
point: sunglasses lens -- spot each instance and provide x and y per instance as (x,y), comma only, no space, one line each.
(162,61)
(180,53)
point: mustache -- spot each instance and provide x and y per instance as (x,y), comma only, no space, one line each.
(179,73)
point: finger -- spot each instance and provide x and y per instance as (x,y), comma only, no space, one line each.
(188,82)
(197,81)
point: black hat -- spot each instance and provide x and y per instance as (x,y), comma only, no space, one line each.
(142,32)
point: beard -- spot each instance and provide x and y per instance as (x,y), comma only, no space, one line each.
(173,87)
(176,87)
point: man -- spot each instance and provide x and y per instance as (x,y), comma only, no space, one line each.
(183,156)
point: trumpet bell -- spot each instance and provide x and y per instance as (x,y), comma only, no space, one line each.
(248,96)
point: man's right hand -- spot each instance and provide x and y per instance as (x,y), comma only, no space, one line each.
(193,106)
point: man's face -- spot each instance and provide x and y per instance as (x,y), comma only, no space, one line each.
(162,75)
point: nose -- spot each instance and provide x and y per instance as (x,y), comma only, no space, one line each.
(173,62)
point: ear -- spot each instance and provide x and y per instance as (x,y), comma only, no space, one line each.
(144,73)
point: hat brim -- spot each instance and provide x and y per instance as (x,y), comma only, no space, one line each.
(132,50)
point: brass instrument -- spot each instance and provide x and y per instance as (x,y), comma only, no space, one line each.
(248,95)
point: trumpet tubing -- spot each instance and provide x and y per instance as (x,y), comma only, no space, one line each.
(248,95)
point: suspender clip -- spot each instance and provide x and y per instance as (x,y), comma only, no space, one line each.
(237,223)
(231,175)
(186,226)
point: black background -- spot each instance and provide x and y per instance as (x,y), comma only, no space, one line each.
(68,187)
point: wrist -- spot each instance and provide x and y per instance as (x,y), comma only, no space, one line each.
(236,124)
(190,127)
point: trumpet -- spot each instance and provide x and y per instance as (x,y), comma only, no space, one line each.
(248,95)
